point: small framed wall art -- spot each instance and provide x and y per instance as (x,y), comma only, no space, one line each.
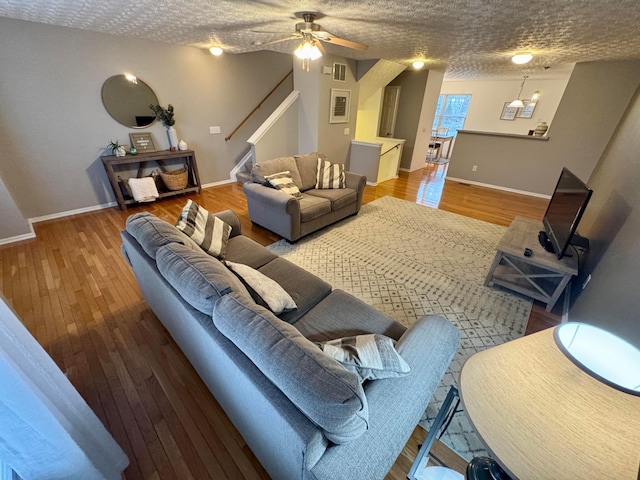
(508,113)
(340,105)
(143,142)
(527,110)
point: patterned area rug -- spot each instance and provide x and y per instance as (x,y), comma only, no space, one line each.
(408,260)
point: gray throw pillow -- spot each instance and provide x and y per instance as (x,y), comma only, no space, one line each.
(370,356)
(328,394)
(207,230)
(199,278)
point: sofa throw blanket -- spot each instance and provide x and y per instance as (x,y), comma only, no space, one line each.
(143,189)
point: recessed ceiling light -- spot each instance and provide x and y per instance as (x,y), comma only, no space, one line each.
(418,65)
(217,51)
(521,58)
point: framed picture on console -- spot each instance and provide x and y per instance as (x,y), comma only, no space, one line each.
(143,142)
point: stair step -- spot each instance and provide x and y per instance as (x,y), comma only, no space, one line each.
(243,177)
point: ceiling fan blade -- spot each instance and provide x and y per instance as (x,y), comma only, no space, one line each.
(272,42)
(331,38)
(321,48)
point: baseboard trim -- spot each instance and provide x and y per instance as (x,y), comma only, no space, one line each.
(498,187)
(217,184)
(18,238)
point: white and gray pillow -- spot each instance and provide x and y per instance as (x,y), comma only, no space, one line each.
(330,175)
(283,181)
(370,356)
(274,296)
(205,229)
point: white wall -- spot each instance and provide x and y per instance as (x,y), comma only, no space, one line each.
(369,117)
(54,128)
(488,98)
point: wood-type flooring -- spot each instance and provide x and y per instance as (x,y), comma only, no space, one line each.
(75,293)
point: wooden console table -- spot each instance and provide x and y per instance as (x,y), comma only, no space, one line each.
(541,276)
(189,157)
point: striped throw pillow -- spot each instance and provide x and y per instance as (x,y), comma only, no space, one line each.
(284,182)
(208,231)
(330,175)
(370,356)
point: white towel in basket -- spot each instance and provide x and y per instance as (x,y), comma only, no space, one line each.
(143,189)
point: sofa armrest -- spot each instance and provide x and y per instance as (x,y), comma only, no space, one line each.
(357,182)
(270,197)
(230,217)
(396,404)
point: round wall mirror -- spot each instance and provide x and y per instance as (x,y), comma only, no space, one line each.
(127,99)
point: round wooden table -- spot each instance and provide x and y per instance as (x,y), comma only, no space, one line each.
(542,417)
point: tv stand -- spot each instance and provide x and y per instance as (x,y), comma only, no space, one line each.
(541,275)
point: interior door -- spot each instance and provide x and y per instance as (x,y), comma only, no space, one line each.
(389,111)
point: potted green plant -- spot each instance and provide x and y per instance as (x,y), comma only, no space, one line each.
(117,149)
(165,115)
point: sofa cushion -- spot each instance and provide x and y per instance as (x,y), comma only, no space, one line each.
(242,249)
(275,297)
(282,181)
(342,315)
(153,233)
(308,169)
(312,206)
(207,230)
(371,356)
(339,197)
(330,175)
(328,394)
(304,287)
(199,278)
(269,167)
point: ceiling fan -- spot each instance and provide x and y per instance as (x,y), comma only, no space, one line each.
(312,36)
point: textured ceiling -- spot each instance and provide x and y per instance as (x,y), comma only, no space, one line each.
(464,38)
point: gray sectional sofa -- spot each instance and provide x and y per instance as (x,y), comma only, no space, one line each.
(291,217)
(301,412)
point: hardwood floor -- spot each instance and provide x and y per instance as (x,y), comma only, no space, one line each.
(78,297)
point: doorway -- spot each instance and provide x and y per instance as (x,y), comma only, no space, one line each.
(389,111)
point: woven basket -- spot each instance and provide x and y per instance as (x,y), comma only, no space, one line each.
(176,180)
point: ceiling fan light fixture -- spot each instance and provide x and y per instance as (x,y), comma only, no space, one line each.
(521,58)
(308,50)
(418,64)
(215,51)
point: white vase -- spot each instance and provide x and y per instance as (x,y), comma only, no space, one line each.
(173,138)
(120,151)
(182,145)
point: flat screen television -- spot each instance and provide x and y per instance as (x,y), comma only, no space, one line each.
(567,204)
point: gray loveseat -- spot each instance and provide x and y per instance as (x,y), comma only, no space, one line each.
(291,217)
(302,414)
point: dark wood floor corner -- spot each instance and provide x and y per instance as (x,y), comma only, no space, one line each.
(76,294)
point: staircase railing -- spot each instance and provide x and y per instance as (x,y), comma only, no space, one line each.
(228,137)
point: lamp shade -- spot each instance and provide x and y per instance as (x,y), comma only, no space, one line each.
(517,103)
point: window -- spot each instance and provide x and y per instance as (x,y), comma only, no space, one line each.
(451,112)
